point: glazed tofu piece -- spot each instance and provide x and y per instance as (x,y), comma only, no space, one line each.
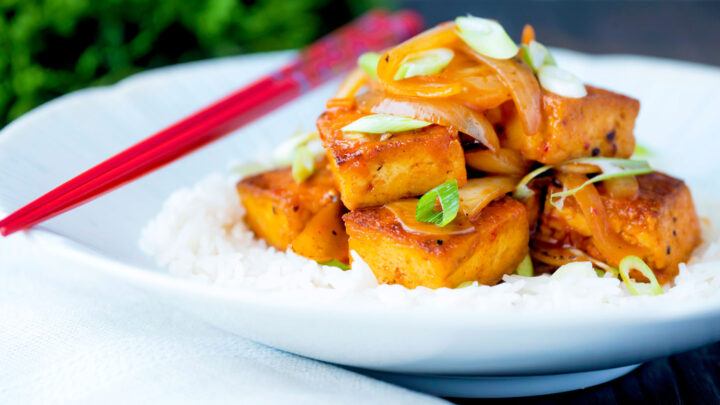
(306,217)
(373,169)
(661,219)
(599,124)
(490,245)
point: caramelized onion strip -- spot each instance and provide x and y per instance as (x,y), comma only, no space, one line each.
(523,86)
(605,239)
(442,112)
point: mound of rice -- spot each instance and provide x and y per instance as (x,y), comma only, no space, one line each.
(199,235)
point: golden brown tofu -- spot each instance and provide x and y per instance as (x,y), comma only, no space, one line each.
(495,246)
(306,215)
(599,124)
(371,170)
(660,219)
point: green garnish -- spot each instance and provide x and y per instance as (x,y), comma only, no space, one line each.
(642,152)
(525,268)
(465,284)
(368,62)
(248,169)
(611,168)
(560,82)
(335,263)
(382,123)
(284,154)
(487,37)
(536,55)
(424,63)
(303,164)
(522,191)
(633,262)
(449,198)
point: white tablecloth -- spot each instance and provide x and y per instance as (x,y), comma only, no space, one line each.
(69,334)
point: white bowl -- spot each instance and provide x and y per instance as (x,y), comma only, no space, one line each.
(442,352)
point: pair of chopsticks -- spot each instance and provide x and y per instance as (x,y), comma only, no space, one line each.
(321,61)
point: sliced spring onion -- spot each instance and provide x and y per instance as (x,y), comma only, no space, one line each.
(248,169)
(641,152)
(382,123)
(449,198)
(633,262)
(526,267)
(368,62)
(536,55)
(466,284)
(522,191)
(487,37)
(303,164)
(560,82)
(336,263)
(611,168)
(284,154)
(424,63)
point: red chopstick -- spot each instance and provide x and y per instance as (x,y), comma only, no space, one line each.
(316,64)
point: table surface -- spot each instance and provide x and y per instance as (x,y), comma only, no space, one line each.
(686,30)
(687,378)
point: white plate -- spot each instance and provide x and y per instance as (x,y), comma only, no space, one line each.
(440,351)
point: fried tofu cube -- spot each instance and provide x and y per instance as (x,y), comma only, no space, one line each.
(599,124)
(495,245)
(304,216)
(661,220)
(371,170)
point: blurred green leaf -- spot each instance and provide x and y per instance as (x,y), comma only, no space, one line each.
(51,47)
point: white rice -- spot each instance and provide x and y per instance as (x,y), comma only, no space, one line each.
(199,235)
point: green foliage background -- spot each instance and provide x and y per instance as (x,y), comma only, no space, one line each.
(51,47)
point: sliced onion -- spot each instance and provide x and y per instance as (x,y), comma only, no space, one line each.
(441,112)
(554,256)
(519,78)
(624,188)
(561,82)
(478,193)
(502,161)
(487,37)
(606,240)
(424,63)
(351,84)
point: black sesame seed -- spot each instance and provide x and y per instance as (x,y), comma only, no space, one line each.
(667,250)
(674,233)
(610,136)
(379,167)
(274,210)
(439,242)
(334,233)
(674,219)
(387,58)
(296,208)
(595,151)
(556,183)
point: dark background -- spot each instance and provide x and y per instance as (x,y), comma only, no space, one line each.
(51,47)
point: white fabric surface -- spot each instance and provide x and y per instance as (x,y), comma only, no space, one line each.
(70,334)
